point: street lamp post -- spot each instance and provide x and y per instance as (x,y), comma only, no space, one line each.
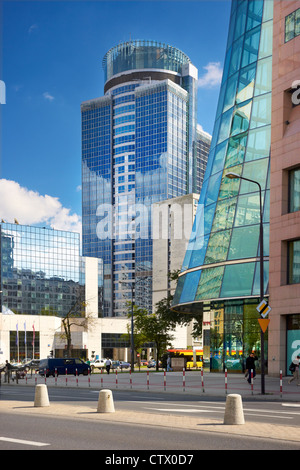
(261,264)
(132,325)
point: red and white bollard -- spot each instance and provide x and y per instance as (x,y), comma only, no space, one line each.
(35,377)
(55,376)
(66,377)
(101,377)
(251,381)
(147,380)
(130,378)
(165,380)
(77,377)
(183,379)
(202,380)
(116,378)
(45,374)
(226,381)
(281,383)
(89,377)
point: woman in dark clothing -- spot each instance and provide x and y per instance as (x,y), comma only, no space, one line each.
(250,365)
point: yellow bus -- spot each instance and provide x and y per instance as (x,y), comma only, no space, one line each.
(189,355)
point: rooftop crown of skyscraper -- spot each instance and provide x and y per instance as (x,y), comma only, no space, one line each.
(141,55)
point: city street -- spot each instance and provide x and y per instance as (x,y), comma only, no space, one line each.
(143,420)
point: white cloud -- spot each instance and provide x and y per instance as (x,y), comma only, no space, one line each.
(213,76)
(31,208)
(47,96)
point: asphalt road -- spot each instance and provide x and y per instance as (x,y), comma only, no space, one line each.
(50,433)
(176,404)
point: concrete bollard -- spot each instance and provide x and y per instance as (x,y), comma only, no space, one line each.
(234,413)
(41,395)
(105,402)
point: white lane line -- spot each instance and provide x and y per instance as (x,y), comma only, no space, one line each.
(179,410)
(21,441)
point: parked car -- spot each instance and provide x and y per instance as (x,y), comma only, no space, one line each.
(32,365)
(120,365)
(62,366)
(97,364)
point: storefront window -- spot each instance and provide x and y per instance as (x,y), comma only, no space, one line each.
(234,333)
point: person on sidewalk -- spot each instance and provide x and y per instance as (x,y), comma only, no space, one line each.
(7,370)
(250,365)
(107,365)
(295,370)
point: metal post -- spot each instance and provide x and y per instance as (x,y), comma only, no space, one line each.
(261,265)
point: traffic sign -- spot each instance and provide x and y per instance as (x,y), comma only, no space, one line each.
(263,308)
(264,323)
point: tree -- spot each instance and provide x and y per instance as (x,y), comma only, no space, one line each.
(75,317)
(163,309)
(154,328)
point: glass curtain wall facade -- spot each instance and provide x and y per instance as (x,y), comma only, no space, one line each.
(42,272)
(220,273)
(137,149)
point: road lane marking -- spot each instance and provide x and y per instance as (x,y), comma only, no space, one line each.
(22,441)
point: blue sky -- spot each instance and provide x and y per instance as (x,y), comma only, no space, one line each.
(52,55)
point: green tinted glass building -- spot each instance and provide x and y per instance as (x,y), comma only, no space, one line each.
(220,275)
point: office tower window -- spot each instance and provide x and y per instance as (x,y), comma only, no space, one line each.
(294,190)
(292,25)
(294,262)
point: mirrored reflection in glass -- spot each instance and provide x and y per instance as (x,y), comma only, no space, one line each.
(210,283)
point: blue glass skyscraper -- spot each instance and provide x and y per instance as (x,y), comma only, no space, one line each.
(220,275)
(138,148)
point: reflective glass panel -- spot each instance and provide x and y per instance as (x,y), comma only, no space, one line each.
(241,118)
(247,211)
(294,262)
(224,214)
(261,111)
(210,283)
(230,187)
(244,242)
(259,142)
(220,154)
(236,53)
(251,46)
(256,171)
(266,40)
(190,286)
(294,190)
(246,83)
(230,92)
(256,284)
(238,280)
(255,11)
(236,149)
(217,247)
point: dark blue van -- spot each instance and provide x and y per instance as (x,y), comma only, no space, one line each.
(62,366)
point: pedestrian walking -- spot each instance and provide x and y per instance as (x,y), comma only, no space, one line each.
(169,364)
(250,366)
(7,375)
(107,365)
(294,368)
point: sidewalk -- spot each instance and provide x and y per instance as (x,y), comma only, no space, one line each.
(75,412)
